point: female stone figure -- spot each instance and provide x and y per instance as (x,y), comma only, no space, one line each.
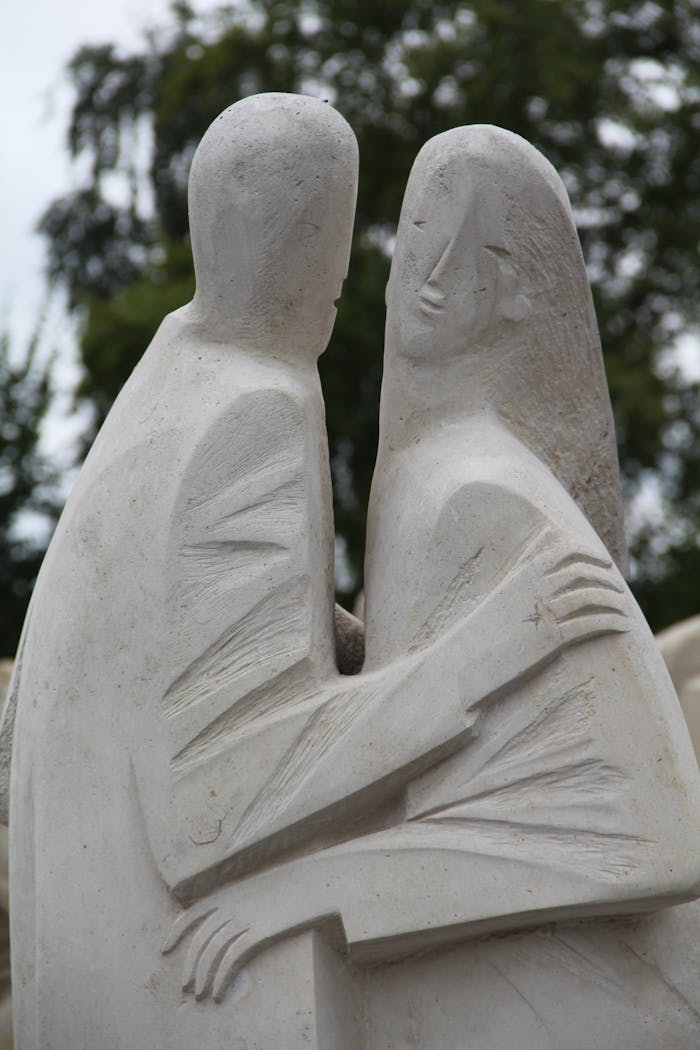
(496,432)
(493,392)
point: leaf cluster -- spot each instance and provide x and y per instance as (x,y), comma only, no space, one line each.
(28,481)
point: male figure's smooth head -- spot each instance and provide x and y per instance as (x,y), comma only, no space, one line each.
(272,198)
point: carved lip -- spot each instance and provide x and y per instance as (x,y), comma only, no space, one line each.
(431,299)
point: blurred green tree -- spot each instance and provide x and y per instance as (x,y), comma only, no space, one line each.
(608,90)
(29,500)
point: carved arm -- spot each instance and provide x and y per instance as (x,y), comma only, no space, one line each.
(371,734)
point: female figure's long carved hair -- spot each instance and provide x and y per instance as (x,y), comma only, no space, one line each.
(490,311)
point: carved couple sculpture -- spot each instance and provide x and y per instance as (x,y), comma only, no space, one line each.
(206,815)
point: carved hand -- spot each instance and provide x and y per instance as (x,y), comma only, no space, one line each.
(551,599)
(222,944)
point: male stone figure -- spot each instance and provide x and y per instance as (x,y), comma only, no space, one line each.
(205,493)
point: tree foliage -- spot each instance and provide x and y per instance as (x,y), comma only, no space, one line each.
(608,90)
(28,482)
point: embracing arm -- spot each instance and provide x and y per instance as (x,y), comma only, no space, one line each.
(383,728)
(368,735)
(565,598)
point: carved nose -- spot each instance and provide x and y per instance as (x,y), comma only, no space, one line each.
(431,295)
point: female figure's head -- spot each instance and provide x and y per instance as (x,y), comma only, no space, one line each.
(489,311)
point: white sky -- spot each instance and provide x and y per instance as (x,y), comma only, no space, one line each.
(37,39)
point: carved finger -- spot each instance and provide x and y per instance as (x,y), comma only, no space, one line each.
(212,956)
(589,600)
(577,578)
(593,626)
(233,961)
(197,945)
(182,926)
(581,559)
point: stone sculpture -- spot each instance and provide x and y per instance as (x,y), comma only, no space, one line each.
(233,827)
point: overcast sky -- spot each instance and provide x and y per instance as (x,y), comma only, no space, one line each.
(37,39)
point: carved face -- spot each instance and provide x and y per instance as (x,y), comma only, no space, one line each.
(456,282)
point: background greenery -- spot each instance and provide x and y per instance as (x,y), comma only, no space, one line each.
(29,482)
(608,91)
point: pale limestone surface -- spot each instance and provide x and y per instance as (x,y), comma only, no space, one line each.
(680,648)
(619,985)
(231,827)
